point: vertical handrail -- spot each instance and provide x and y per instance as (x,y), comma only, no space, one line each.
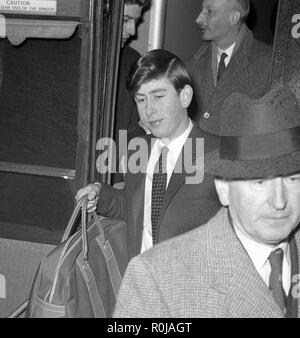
(157,24)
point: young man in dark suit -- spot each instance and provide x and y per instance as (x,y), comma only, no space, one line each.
(160,203)
(245,261)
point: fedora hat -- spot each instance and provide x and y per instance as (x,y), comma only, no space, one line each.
(259,138)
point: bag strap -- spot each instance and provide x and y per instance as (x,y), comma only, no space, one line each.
(19,310)
(111,262)
(73,218)
(98,308)
(84,235)
(81,206)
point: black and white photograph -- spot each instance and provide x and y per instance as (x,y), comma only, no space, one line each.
(150,162)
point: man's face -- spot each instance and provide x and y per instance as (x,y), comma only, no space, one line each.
(265,210)
(132,13)
(214,19)
(162,109)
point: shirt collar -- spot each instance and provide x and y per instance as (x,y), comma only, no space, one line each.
(258,252)
(175,146)
(228,51)
(235,46)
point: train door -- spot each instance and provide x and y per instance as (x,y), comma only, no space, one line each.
(58,68)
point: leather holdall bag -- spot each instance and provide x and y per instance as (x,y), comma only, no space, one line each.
(81,276)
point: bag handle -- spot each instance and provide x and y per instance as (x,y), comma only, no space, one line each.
(84,230)
(19,310)
(73,217)
(80,207)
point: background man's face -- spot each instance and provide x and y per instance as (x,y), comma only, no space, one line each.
(214,19)
(132,13)
(161,109)
(264,210)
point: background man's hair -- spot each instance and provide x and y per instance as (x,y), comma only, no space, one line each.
(243,6)
(142,3)
(155,65)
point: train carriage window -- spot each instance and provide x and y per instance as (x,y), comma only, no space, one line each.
(56,95)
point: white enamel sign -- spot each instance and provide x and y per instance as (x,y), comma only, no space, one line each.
(41,7)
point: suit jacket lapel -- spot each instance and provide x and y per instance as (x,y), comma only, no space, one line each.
(135,232)
(208,87)
(296,291)
(248,293)
(237,69)
(235,278)
(178,176)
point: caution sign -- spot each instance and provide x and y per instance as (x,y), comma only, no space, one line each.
(286,49)
(40,7)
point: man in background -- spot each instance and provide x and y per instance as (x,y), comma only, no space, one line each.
(127,117)
(230,60)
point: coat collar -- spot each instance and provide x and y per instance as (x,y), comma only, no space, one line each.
(295,278)
(135,230)
(242,51)
(233,275)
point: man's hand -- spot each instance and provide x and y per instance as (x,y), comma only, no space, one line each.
(93,192)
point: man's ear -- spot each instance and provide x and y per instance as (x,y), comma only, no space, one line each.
(235,17)
(222,187)
(186,96)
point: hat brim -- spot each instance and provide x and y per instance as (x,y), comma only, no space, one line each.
(232,169)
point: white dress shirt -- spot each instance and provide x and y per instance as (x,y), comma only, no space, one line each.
(175,147)
(259,254)
(228,51)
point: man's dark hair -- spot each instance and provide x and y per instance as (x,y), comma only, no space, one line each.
(142,3)
(243,6)
(155,65)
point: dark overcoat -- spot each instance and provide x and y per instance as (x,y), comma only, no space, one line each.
(248,72)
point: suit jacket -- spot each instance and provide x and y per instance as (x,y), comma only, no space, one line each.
(184,205)
(248,72)
(203,273)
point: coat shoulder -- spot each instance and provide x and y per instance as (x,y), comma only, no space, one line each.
(262,50)
(199,55)
(128,56)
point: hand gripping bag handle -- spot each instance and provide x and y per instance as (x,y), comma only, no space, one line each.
(83,263)
(80,206)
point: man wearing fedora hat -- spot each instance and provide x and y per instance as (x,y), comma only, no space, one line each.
(245,261)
